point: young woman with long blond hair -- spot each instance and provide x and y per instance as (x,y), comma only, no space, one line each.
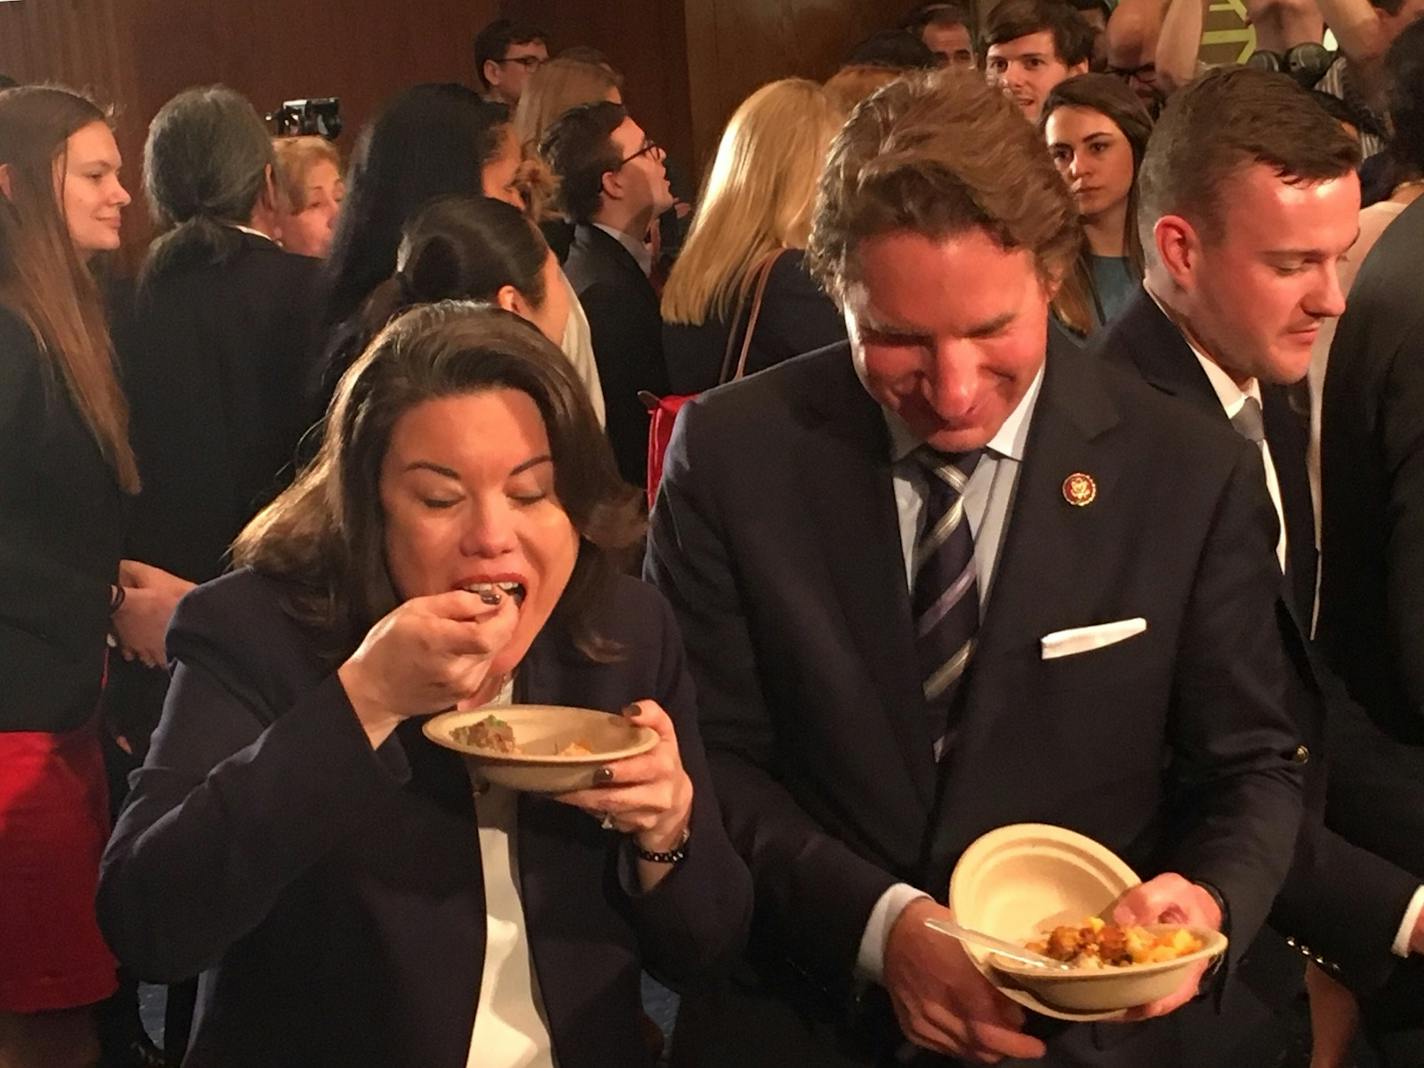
(66,467)
(754,216)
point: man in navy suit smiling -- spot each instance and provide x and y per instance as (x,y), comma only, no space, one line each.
(951,576)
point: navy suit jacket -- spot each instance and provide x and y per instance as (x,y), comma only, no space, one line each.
(1340,901)
(776,539)
(332,895)
(626,329)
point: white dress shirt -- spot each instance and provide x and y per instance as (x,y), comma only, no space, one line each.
(577,345)
(988,498)
(510,1027)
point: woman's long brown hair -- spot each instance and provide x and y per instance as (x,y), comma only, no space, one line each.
(43,280)
(1076,303)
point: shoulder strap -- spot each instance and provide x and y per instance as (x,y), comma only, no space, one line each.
(763,273)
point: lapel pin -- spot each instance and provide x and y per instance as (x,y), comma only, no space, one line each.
(1079,489)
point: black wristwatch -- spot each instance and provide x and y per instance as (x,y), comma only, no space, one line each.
(675,855)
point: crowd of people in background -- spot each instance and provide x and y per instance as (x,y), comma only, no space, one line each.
(1021,425)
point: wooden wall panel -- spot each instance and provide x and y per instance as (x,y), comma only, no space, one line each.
(138,53)
(734,46)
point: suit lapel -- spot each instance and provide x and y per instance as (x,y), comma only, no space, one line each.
(1054,558)
(611,251)
(1069,435)
(1155,345)
(849,482)
(1152,343)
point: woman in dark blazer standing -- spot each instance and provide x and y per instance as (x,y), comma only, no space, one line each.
(66,469)
(349,895)
(222,339)
(753,218)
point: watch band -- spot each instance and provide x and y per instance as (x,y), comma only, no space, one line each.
(672,856)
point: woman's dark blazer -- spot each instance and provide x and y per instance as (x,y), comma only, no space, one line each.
(61,531)
(216,360)
(332,895)
(796,317)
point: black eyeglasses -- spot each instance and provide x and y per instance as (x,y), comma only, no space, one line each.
(529,63)
(1146,72)
(648,146)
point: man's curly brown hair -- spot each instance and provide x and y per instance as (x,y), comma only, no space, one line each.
(938,154)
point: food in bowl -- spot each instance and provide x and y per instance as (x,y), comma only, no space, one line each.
(1096,944)
(497,736)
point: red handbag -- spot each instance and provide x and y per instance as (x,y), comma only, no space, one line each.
(662,411)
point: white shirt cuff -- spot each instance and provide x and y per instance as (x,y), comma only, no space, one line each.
(870,961)
(1401,940)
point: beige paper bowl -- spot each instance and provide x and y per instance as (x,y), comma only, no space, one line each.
(1023,880)
(541,731)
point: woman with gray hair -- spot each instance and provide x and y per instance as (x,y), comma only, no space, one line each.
(214,358)
(209,177)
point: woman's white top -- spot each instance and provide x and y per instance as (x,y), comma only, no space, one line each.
(510,1027)
(578,347)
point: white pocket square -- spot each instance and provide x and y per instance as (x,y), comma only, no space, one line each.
(1086,639)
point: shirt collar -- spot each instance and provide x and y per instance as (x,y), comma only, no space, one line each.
(1231,396)
(1008,442)
(250,230)
(636,249)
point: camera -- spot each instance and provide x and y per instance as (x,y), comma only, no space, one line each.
(1306,63)
(319,116)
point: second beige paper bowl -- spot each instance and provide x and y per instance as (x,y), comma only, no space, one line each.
(1020,881)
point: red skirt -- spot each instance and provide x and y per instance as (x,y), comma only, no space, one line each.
(54,821)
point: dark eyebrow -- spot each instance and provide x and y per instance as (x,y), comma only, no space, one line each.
(446,472)
(426,465)
(533,461)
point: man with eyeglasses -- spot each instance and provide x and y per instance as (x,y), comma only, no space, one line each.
(1133,32)
(612,186)
(506,54)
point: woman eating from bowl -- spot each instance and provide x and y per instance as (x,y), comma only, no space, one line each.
(1097,133)
(350,894)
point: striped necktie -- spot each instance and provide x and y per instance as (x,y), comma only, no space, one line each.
(945,592)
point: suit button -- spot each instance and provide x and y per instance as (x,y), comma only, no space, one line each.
(1301,754)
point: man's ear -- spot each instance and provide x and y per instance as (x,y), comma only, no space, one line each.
(1178,249)
(509,299)
(1078,68)
(5,181)
(612,185)
(268,196)
(492,73)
